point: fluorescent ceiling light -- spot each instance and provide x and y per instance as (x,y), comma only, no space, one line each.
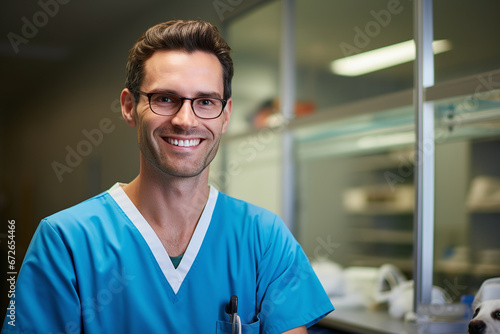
(385,57)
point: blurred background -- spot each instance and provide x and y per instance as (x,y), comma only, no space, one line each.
(62,67)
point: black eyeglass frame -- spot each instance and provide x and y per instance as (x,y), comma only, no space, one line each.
(148,95)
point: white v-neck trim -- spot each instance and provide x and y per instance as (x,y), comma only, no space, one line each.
(174,276)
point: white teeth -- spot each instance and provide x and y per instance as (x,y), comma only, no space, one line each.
(183,143)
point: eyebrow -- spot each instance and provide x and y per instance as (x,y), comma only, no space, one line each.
(209,94)
(196,95)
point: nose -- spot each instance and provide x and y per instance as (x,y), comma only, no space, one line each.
(477,327)
(185,117)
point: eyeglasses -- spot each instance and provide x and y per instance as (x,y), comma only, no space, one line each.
(168,104)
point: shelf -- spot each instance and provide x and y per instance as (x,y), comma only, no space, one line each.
(386,118)
(485,209)
(370,235)
(381,210)
(486,269)
(383,162)
(452,267)
(404,264)
(379,200)
(465,268)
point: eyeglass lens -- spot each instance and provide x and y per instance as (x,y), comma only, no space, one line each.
(169,104)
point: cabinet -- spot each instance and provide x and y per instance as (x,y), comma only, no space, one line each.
(355,178)
(482,208)
(380,212)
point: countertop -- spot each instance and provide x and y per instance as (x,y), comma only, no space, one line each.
(364,321)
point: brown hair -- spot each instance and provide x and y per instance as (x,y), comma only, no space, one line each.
(183,35)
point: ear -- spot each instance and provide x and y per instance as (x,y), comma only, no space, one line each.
(227,114)
(127,102)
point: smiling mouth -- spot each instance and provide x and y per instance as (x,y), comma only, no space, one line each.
(183,143)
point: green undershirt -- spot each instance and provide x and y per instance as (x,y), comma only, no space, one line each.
(176,260)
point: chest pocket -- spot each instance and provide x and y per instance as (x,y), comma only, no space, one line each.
(224,327)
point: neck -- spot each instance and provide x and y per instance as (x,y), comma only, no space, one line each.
(169,201)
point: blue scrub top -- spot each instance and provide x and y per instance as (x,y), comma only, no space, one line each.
(98,267)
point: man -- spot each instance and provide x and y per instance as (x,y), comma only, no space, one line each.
(166,252)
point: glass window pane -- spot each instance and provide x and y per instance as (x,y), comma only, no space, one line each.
(467,192)
(330,30)
(249,164)
(349,183)
(252,169)
(471,28)
(356,189)
(255,40)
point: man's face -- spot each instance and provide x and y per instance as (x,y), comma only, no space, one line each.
(198,74)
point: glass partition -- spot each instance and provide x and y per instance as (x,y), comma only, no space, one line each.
(357,195)
(471,29)
(467,192)
(249,164)
(356,188)
(354,137)
(252,169)
(344,167)
(255,40)
(328,31)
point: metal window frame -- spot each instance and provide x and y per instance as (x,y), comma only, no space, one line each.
(423,222)
(287,82)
